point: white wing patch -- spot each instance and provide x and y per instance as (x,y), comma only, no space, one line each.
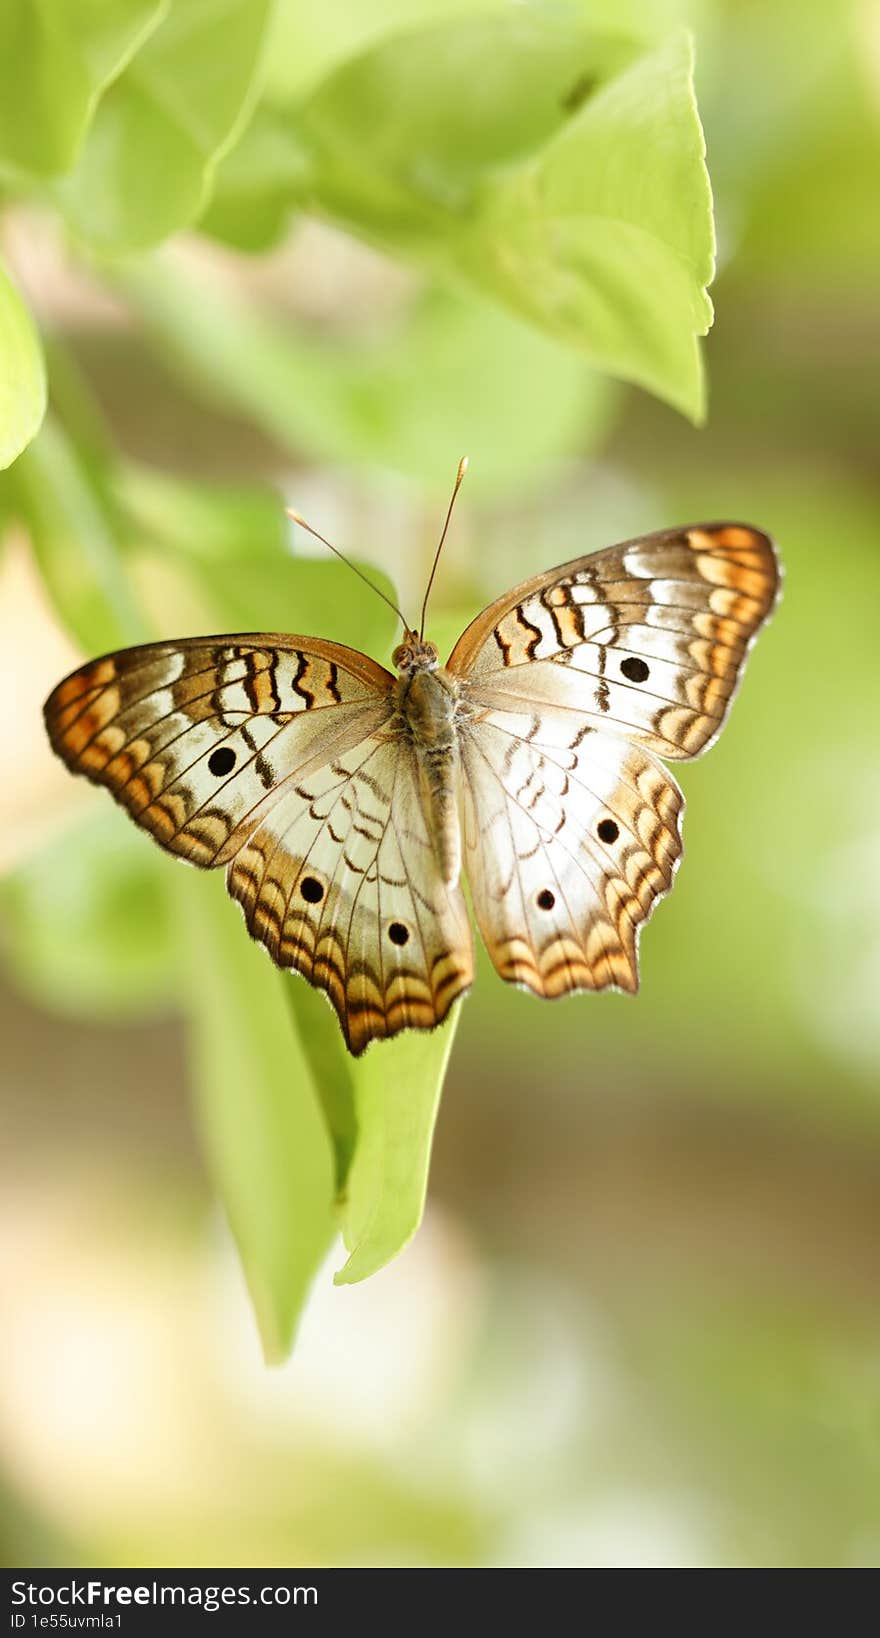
(570,838)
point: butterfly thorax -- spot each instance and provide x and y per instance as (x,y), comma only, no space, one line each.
(426,699)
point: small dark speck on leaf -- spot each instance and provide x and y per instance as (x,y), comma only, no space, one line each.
(583,87)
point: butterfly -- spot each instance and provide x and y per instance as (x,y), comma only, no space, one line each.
(348,803)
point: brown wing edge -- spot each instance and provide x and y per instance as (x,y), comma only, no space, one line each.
(367,1022)
(88,684)
(106,667)
(475,634)
(759,583)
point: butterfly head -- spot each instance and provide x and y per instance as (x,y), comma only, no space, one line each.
(415,654)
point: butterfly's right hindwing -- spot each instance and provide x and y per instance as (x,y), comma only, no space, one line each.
(570,838)
(574,683)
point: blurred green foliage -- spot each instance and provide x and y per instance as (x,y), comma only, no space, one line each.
(564,202)
(573,190)
(23,381)
(534,178)
(55,63)
(322,397)
(105,886)
(147,160)
(697,1168)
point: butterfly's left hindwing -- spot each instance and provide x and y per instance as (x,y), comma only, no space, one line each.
(341,881)
(281,758)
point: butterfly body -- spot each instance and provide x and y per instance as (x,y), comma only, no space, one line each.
(346,803)
(428,704)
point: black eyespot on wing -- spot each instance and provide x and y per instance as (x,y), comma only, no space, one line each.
(607,830)
(221,761)
(311,890)
(635,669)
(545,899)
(397,933)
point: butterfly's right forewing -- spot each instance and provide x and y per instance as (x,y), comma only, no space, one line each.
(573,684)
(646,639)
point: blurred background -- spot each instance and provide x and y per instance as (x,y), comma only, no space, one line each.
(640,1324)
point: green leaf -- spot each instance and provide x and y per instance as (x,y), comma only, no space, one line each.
(146,167)
(334,1070)
(288,1119)
(606,239)
(380,1138)
(308,42)
(398,146)
(22,374)
(256,1106)
(76,538)
(572,189)
(397,1087)
(55,60)
(86,921)
(484,382)
(257,184)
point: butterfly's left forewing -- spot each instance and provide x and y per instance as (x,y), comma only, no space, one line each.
(195,738)
(572,685)
(281,758)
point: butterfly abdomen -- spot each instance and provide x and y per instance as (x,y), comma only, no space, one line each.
(427,707)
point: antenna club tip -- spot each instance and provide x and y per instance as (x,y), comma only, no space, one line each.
(297,516)
(463,465)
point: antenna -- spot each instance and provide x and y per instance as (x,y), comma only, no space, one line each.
(462,468)
(298,518)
